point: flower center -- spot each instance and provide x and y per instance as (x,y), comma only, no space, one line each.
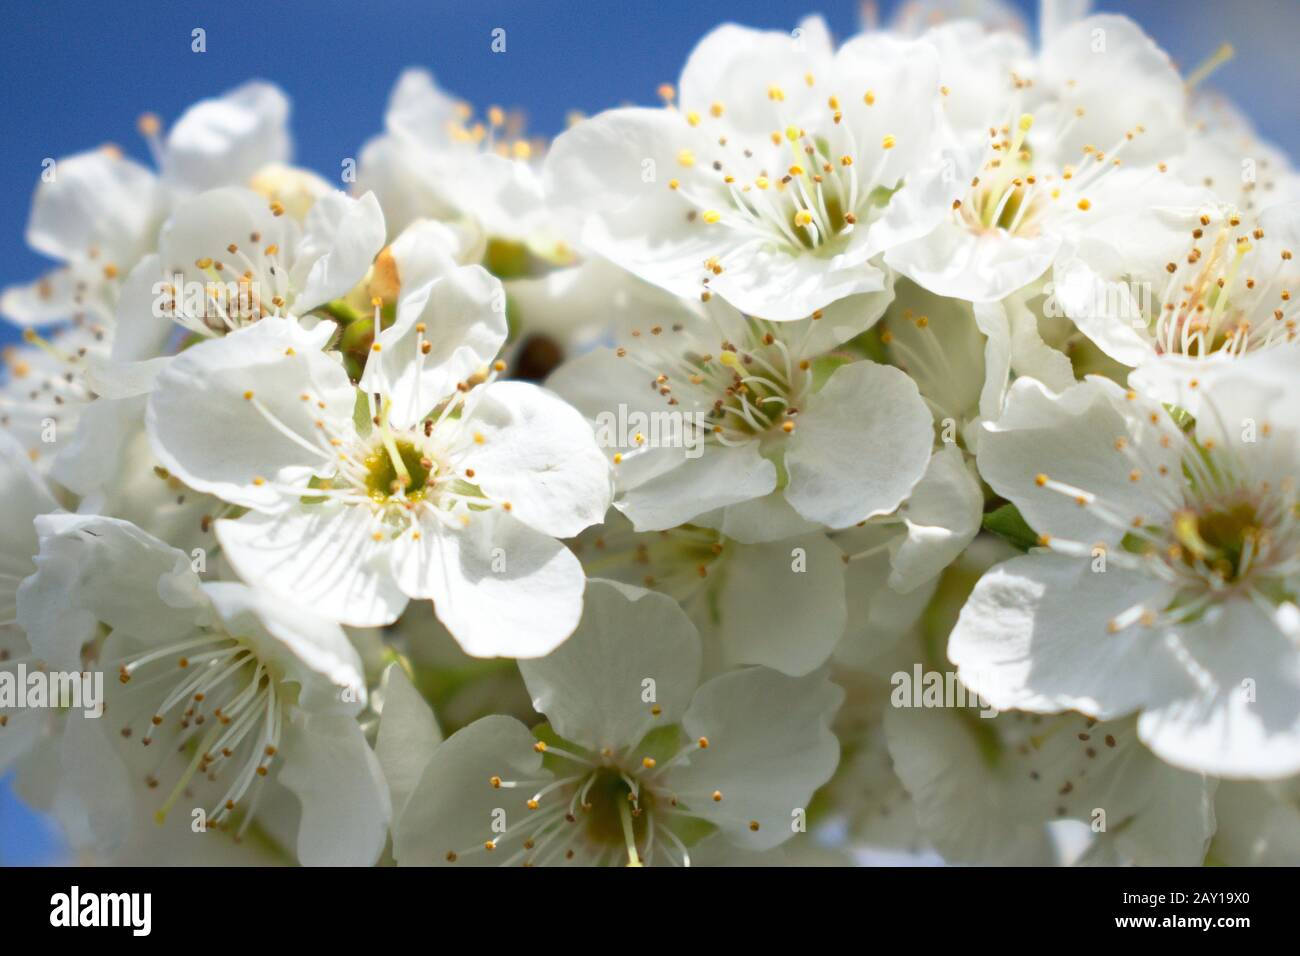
(1224,295)
(403,470)
(801,190)
(676,562)
(743,392)
(1224,541)
(245,280)
(1016,190)
(1008,200)
(606,807)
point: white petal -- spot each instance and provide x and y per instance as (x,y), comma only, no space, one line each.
(943,354)
(878,616)
(307,648)
(501,588)
(451,810)
(418,110)
(1072,438)
(720,476)
(25,495)
(463,323)
(1035,635)
(759,520)
(341,237)
(783,286)
(847,464)
(322,556)
(210,435)
(539,454)
(345,808)
(1237,715)
(94,792)
(633,650)
(770,747)
(942,516)
(1258,824)
(599,385)
(782,604)
(51,297)
(204,226)
(141,331)
(227,139)
(99,446)
(1123,81)
(598,174)
(408,733)
(734,65)
(952,261)
(93,569)
(96,201)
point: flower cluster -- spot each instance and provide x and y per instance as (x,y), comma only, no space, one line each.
(877,450)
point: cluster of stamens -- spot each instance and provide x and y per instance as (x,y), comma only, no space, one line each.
(1224,534)
(676,562)
(596,809)
(47,385)
(1015,190)
(745,391)
(502,133)
(244,284)
(1215,300)
(219,703)
(802,202)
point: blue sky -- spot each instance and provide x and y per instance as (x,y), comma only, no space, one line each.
(74,75)
(72,78)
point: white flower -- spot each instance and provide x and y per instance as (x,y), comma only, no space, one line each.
(776,181)
(434,161)
(98,215)
(227,258)
(1185,289)
(1054,158)
(223,140)
(418,485)
(987,791)
(638,761)
(99,212)
(762,431)
(231,686)
(1169,580)
(26,496)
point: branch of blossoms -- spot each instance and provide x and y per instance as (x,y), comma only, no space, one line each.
(862,450)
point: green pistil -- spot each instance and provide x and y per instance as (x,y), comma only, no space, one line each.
(401,465)
(1218,538)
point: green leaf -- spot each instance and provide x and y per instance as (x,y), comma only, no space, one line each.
(1009,525)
